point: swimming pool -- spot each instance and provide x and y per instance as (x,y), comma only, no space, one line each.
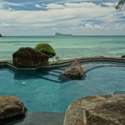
(42,91)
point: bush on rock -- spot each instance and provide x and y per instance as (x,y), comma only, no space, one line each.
(46,48)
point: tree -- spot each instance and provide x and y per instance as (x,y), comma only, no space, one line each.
(0,35)
(120,4)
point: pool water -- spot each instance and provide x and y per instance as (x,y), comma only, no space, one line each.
(44,92)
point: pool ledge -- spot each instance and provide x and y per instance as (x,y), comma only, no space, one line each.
(9,63)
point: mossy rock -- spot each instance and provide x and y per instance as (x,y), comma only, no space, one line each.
(46,48)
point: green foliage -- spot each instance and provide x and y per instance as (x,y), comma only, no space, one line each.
(99,56)
(0,35)
(57,58)
(120,4)
(46,48)
(49,62)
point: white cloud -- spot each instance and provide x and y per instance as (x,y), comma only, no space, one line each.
(72,15)
(43,4)
(73,27)
(54,28)
(74,1)
(82,4)
(54,6)
(38,6)
(98,27)
(7,24)
(12,4)
(4,3)
(90,25)
(81,27)
(110,4)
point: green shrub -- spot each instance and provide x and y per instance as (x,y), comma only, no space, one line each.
(46,48)
(57,58)
(49,62)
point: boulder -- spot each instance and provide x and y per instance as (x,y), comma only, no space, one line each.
(29,58)
(11,108)
(123,56)
(74,72)
(97,110)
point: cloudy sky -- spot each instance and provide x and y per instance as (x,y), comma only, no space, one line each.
(46,17)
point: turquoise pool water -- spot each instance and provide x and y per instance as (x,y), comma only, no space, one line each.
(52,95)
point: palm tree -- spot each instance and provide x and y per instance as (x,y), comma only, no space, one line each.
(120,4)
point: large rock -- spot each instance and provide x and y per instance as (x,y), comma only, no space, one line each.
(74,72)
(29,58)
(97,110)
(123,56)
(11,108)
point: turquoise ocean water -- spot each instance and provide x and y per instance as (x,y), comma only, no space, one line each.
(66,47)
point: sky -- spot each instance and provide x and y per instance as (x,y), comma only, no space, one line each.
(46,17)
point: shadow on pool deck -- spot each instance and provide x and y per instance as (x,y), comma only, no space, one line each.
(40,118)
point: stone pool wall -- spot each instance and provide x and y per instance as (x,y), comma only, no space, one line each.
(67,62)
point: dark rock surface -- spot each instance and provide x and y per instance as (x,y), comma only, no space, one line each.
(29,58)
(123,56)
(40,118)
(63,78)
(74,72)
(11,108)
(97,110)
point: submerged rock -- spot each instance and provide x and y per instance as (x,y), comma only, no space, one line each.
(74,72)
(97,110)
(29,58)
(11,108)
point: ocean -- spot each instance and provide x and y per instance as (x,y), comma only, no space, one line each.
(66,47)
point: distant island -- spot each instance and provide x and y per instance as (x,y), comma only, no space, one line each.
(0,35)
(60,34)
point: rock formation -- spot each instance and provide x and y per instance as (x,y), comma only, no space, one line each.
(60,34)
(97,110)
(11,108)
(74,72)
(29,58)
(123,56)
